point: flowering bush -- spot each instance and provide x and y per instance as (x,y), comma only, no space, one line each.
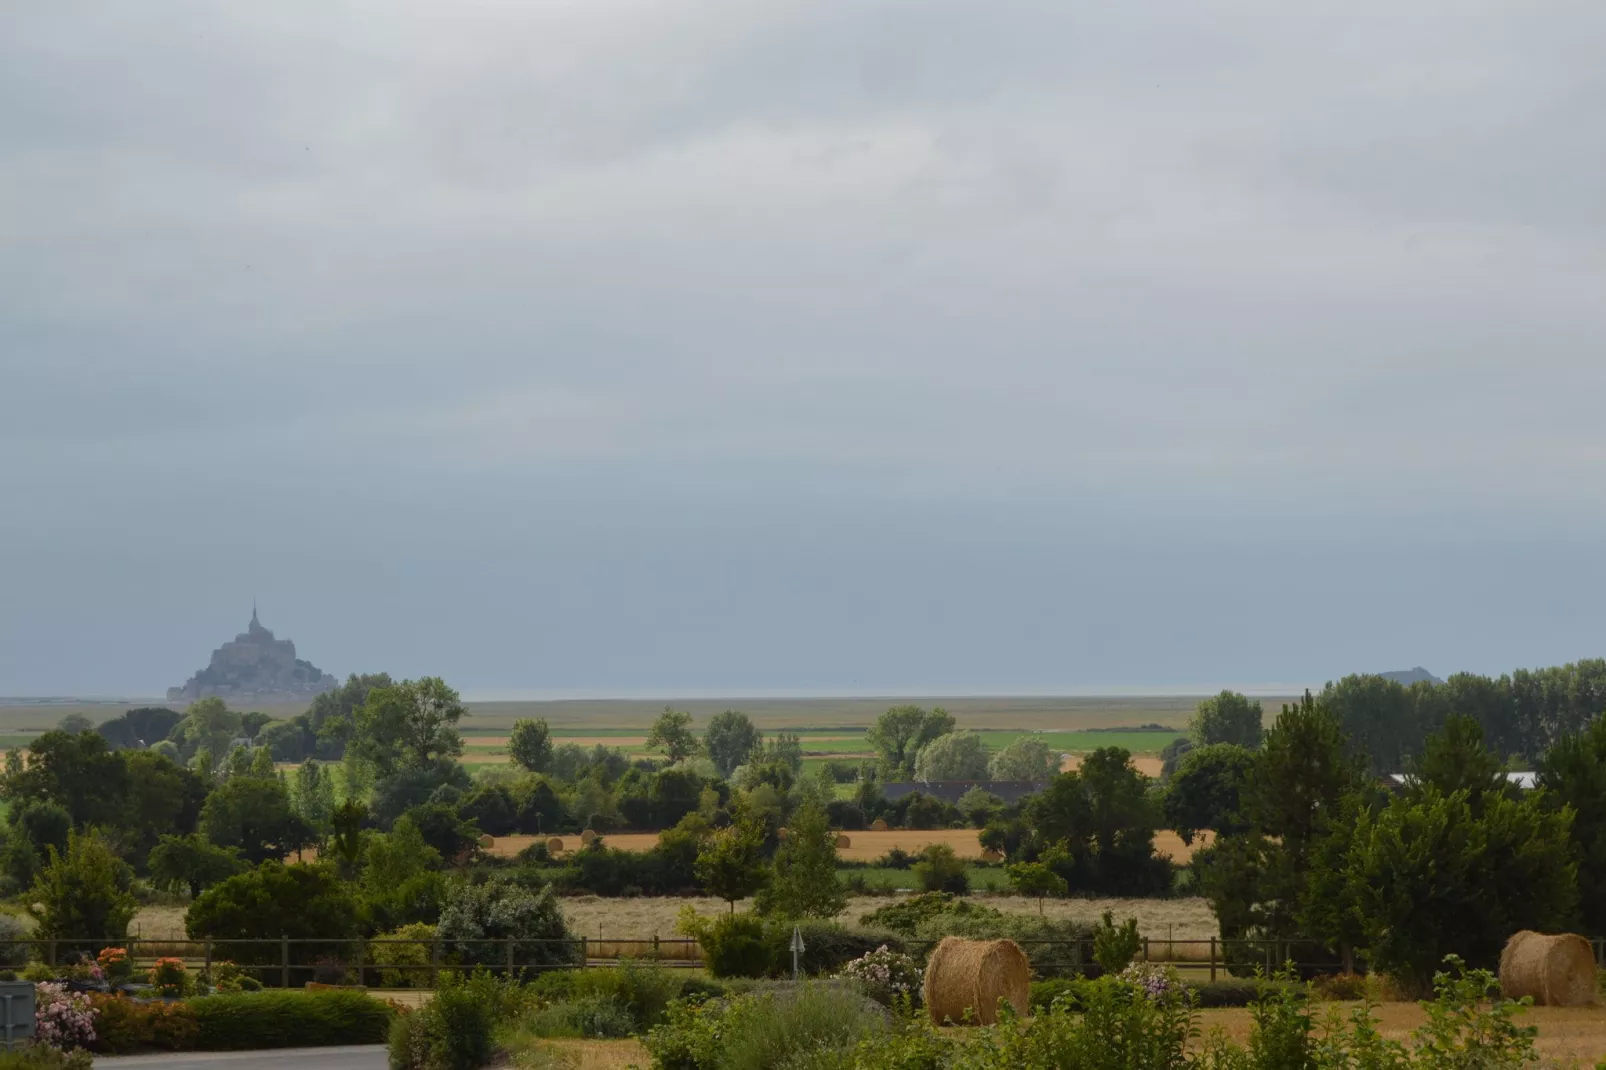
(227,977)
(86,971)
(168,977)
(63,1020)
(1154,980)
(115,964)
(885,974)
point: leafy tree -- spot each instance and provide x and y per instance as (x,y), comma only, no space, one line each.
(677,850)
(674,794)
(491,808)
(979,806)
(79,772)
(401,880)
(143,727)
(1301,773)
(1037,880)
(540,807)
(394,795)
(478,917)
(672,734)
(303,902)
(443,830)
(209,725)
(1455,759)
(75,723)
(530,745)
(1572,775)
(251,724)
(84,893)
(163,798)
(254,816)
(1206,791)
(1122,822)
(409,726)
(730,740)
(1227,718)
(345,836)
(731,862)
(38,826)
(1384,722)
(952,756)
(805,883)
(312,794)
(1428,876)
(1027,758)
(191,863)
(940,869)
(900,734)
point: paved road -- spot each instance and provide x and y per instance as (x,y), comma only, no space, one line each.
(364,1057)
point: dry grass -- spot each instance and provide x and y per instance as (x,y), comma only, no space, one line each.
(158,923)
(1567,1035)
(583,1055)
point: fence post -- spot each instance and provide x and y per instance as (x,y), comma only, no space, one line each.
(585,950)
(655,954)
(284,961)
(1212,958)
(361,958)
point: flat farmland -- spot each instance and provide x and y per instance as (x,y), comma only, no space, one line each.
(863,846)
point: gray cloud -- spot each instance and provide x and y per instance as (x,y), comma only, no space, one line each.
(375,282)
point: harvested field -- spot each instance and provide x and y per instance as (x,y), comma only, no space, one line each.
(585,1055)
(866,846)
(1149,767)
(627,919)
(1567,1035)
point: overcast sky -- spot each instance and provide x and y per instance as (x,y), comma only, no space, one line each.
(844,344)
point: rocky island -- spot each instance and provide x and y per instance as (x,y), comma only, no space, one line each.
(255,663)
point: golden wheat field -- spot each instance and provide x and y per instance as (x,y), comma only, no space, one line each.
(862,846)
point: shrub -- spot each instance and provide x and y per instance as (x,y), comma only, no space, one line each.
(116,964)
(169,978)
(592,1017)
(764,1031)
(1231,992)
(688,1038)
(644,991)
(227,977)
(1340,987)
(941,870)
(827,946)
(886,976)
(733,945)
(1115,946)
(412,950)
(453,1030)
(63,1020)
(273,900)
(124,1025)
(477,917)
(1066,990)
(40,1057)
(907,915)
(13,955)
(83,894)
(282,1019)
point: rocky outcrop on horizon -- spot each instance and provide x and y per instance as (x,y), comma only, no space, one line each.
(255,664)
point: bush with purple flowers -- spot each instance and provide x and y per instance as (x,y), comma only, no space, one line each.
(1157,981)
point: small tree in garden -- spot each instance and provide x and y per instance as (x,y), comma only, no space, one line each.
(805,884)
(1037,880)
(1115,946)
(731,862)
(942,870)
(83,894)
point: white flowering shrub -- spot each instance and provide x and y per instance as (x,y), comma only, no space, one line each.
(885,975)
(1154,980)
(63,1020)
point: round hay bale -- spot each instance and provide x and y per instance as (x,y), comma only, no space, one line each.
(487,842)
(587,837)
(969,977)
(842,841)
(554,845)
(990,855)
(782,834)
(1557,971)
(880,825)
